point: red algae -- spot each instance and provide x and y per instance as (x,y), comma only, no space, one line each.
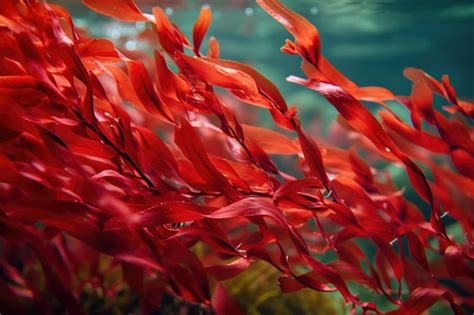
(84,174)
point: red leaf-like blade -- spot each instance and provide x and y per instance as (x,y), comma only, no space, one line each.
(200,27)
(124,10)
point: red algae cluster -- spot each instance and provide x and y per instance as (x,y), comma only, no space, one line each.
(103,154)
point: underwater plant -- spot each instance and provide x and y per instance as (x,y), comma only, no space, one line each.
(129,184)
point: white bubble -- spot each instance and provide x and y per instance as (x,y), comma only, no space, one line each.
(140,25)
(314,10)
(248,11)
(169,11)
(131,45)
(115,33)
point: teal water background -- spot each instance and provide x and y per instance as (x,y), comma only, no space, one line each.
(371,41)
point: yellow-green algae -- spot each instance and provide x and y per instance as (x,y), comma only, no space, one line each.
(258,293)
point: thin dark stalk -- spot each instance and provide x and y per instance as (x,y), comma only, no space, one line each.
(110,143)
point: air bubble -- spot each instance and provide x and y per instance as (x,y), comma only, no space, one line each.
(131,45)
(248,11)
(115,33)
(169,11)
(314,10)
(140,26)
